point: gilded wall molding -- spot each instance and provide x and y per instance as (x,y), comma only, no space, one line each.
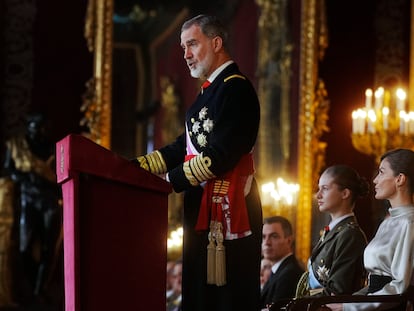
(274,73)
(313,114)
(7,201)
(97,98)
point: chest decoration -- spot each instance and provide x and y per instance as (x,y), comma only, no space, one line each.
(201,127)
(323,273)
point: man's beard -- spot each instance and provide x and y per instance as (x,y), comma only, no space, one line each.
(197,72)
(200,70)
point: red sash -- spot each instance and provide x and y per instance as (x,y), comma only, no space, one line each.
(229,189)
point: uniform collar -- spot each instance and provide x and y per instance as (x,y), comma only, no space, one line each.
(219,70)
(333,223)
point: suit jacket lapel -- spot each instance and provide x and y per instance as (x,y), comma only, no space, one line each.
(266,286)
(273,276)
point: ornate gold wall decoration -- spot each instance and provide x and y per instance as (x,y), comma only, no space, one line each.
(313,110)
(173,125)
(6,224)
(171,105)
(274,73)
(97,99)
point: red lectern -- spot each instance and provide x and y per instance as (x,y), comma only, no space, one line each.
(115,221)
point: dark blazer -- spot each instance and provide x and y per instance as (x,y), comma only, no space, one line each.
(339,258)
(282,284)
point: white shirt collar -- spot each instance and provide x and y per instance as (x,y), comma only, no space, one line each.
(333,223)
(218,70)
(278,263)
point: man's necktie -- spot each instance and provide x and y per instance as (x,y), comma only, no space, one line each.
(205,85)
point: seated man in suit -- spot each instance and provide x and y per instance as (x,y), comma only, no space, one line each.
(174,300)
(265,271)
(277,246)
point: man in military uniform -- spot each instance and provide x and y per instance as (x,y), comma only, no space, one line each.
(212,162)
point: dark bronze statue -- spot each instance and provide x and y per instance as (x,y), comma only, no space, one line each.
(30,163)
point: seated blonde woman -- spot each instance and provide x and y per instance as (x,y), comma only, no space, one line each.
(335,266)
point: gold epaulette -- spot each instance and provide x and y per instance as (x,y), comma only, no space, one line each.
(234,76)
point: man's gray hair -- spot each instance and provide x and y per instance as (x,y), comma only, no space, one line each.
(211,26)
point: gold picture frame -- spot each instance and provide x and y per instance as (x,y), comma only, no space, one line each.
(97,99)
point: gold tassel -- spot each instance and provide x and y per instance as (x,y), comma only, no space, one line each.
(211,255)
(220,256)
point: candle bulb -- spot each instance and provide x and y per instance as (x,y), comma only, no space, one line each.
(379,95)
(406,124)
(368,98)
(401,96)
(372,117)
(362,117)
(354,122)
(411,122)
(402,123)
(385,113)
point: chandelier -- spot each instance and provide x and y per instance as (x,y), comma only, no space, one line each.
(175,243)
(384,123)
(279,198)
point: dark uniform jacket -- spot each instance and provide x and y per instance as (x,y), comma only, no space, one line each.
(282,284)
(223,124)
(337,261)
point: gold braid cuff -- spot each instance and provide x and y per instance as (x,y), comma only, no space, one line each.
(197,170)
(153,162)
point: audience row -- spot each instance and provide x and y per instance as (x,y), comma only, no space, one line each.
(342,262)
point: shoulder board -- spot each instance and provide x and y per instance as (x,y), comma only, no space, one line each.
(234,76)
(352,224)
